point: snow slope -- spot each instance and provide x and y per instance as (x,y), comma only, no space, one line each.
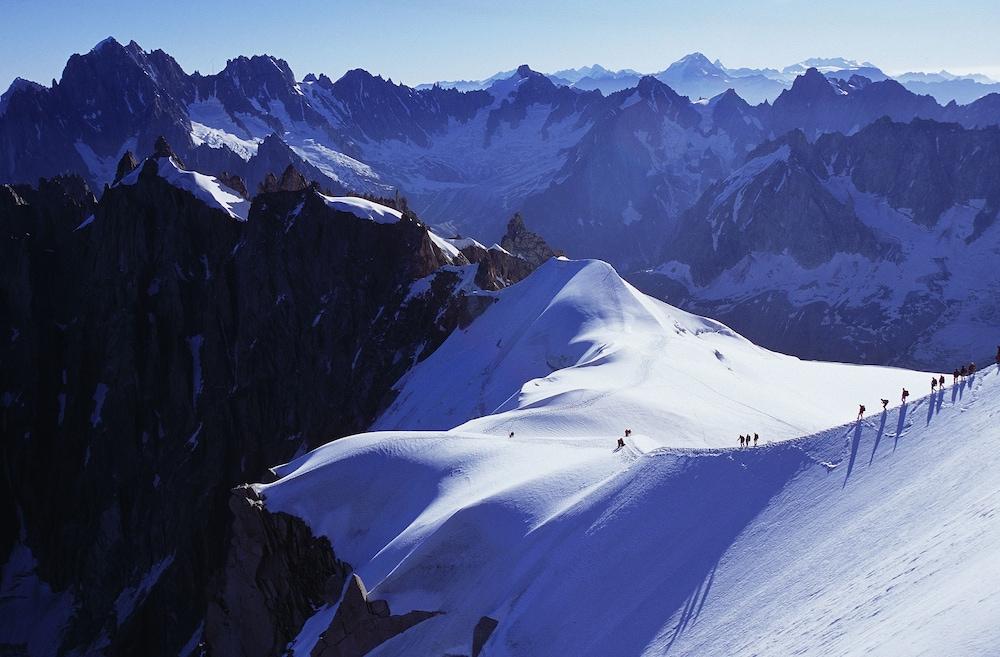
(576,351)
(363,208)
(207,189)
(869,538)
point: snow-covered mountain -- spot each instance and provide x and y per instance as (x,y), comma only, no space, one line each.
(834,67)
(552,541)
(645,158)
(696,76)
(597,176)
(576,351)
(466,161)
(875,247)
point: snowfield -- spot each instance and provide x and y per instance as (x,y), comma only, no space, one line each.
(574,350)
(871,538)
(876,537)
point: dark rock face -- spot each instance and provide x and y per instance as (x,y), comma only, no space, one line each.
(161,353)
(275,155)
(110,96)
(782,208)
(482,633)
(360,624)
(536,89)
(924,166)
(126,165)
(520,241)
(276,575)
(496,268)
(162,149)
(291,181)
(234,183)
(248,84)
(372,108)
(627,180)
(818,105)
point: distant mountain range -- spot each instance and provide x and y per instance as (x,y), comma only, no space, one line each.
(623,166)
(694,75)
(624,177)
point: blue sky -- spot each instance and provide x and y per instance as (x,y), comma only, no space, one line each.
(422,41)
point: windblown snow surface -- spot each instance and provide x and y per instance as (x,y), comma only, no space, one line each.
(876,537)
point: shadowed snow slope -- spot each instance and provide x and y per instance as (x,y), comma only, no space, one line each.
(573,350)
(871,538)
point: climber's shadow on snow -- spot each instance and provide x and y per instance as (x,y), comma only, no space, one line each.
(899,425)
(934,404)
(855,441)
(878,436)
(687,554)
(693,606)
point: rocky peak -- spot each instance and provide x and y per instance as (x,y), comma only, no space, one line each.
(811,85)
(524,71)
(258,68)
(520,241)
(354,82)
(127,165)
(291,181)
(649,85)
(125,66)
(235,183)
(694,65)
(162,149)
(527,85)
(19,85)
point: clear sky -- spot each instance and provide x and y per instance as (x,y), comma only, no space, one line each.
(414,41)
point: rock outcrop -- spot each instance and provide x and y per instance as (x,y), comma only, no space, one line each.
(235,183)
(361,624)
(126,165)
(291,181)
(482,633)
(520,241)
(276,575)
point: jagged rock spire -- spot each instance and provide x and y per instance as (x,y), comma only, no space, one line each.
(235,183)
(291,180)
(126,165)
(161,148)
(522,242)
